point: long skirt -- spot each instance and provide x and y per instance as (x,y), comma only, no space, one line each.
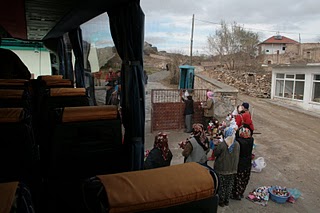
(225,188)
(241,181)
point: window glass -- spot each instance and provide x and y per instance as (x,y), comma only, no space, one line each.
(279,75)
(300,76)
(299,90)
(316,77)
(288,89)
(289,76)
(279,88)
(316,92)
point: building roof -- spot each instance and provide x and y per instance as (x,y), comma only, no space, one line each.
(278,39)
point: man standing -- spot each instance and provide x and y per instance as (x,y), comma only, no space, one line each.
(188,112)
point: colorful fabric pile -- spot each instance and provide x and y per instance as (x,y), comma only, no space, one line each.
(260,195)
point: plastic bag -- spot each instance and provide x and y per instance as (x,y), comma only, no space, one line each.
(258,164)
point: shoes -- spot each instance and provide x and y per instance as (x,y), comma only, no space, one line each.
(242,196)
(235,197)
(226,203)
(221,204)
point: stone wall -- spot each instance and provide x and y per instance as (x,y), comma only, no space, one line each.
(253,84)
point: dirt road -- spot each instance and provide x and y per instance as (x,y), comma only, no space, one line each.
(290,143)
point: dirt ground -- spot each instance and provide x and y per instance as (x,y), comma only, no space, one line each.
(289,140)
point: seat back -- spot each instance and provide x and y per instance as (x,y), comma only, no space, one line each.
(17,147)
(85,141)
(15,197)
(188,187)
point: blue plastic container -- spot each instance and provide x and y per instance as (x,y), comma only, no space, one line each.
(277,198)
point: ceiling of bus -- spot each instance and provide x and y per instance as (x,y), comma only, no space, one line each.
(43,19)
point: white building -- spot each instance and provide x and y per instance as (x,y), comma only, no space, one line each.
(275,45)
(298,85)
(33,55)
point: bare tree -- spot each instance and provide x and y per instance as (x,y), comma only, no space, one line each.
(233,44)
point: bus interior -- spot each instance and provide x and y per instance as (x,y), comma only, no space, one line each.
(60,151)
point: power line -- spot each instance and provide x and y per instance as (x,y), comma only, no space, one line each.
(260,30)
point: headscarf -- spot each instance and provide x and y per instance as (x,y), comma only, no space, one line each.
(198,131)
(161,143)
(229,138)
(210,95)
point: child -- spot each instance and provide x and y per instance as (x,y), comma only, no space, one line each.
(226,164)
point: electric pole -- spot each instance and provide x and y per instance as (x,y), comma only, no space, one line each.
(191,39)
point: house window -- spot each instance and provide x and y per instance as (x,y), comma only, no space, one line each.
(290,86)
(316,88)
(267,51)
(283,48)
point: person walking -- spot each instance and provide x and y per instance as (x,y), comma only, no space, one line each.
(226,164)
(188,113)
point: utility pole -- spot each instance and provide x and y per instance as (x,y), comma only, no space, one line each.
(191,39)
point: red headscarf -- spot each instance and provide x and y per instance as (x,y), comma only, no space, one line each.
(161,142)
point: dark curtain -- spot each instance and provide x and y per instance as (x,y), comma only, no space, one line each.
(62,56)
(127,30)
(75,37)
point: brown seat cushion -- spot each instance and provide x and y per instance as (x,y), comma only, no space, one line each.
(7,195)
(50,77)
(12,82)
(157,188)
(67,92)
(10,93)
(89,113)
(10,115)
(58,82)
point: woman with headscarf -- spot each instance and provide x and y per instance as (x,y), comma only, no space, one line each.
(242,177)
(196,148)
(208,109)
(160,155)
(226,164)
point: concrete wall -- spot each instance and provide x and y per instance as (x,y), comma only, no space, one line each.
(38,62)
(225,96)
(273,48)
(309,71)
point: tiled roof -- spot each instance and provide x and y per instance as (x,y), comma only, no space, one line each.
(279,40)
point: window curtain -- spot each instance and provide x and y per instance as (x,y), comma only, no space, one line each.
(75,37)
(127,30)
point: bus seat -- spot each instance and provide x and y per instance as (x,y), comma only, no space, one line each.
(17,148)
(50,77)
(56,83)
(13,98)
(15,197)
(49,99)
(188,187)
(13,83)
(85,142)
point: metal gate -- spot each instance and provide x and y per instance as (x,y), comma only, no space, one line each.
(167,108)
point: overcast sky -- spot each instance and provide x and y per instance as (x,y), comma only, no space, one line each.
(168,23)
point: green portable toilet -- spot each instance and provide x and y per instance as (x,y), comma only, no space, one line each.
(186,77)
